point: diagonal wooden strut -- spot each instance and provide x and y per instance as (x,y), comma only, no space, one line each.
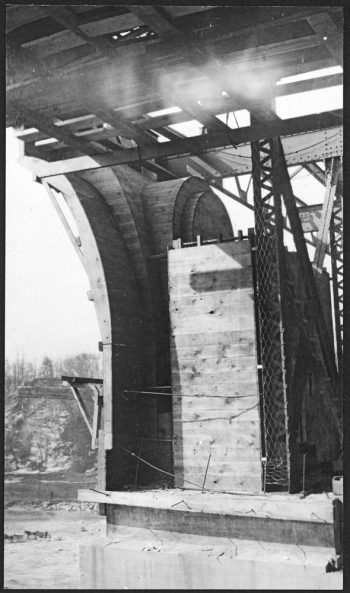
(81,406)
(93,426)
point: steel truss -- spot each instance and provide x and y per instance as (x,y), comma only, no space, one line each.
(270,267)
(286,318)
(336,245)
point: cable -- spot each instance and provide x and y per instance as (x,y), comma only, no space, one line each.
(157,468)
(187,481)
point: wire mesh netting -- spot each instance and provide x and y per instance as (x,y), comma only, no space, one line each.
(270,321)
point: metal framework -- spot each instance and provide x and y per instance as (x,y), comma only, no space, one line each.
(336,244)
(270,281)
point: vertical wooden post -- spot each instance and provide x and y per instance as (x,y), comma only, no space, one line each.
(338,529)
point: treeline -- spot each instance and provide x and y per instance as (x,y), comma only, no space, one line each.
(23,372)
(40,433)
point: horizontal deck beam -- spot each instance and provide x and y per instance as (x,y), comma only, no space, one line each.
(195,145)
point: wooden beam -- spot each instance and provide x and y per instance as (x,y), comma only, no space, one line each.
(122,125)
(82,380)
(25,115)
(66,17)
(332,171)
(18,15)
(200,57)
(162,121)
(22,64)
(66,39)
(195,145)
(64,221)
(92,76)
(329,34)
(211,162)
(155,18)
(197,111)
(96,422)
(167,174)
(311,84)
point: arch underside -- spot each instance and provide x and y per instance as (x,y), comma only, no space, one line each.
(123,223)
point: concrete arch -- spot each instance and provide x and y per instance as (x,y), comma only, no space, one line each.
(122,222)
(182,208)
(120,314)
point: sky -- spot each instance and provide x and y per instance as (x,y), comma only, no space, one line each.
(47,312)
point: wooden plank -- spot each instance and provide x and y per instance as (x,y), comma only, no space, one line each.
(237,389)
(194,450)
(220,258)
(217,468)
(209,418)
(248,483)
(246,436)
(221,349)
(215,338)
(208,304)
(216,424)
(233,454)
(201,364)
(241,320)
(214,371)
(328,32)
(188,404)
(209,282)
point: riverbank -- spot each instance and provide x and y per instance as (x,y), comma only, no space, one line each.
(48,562)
